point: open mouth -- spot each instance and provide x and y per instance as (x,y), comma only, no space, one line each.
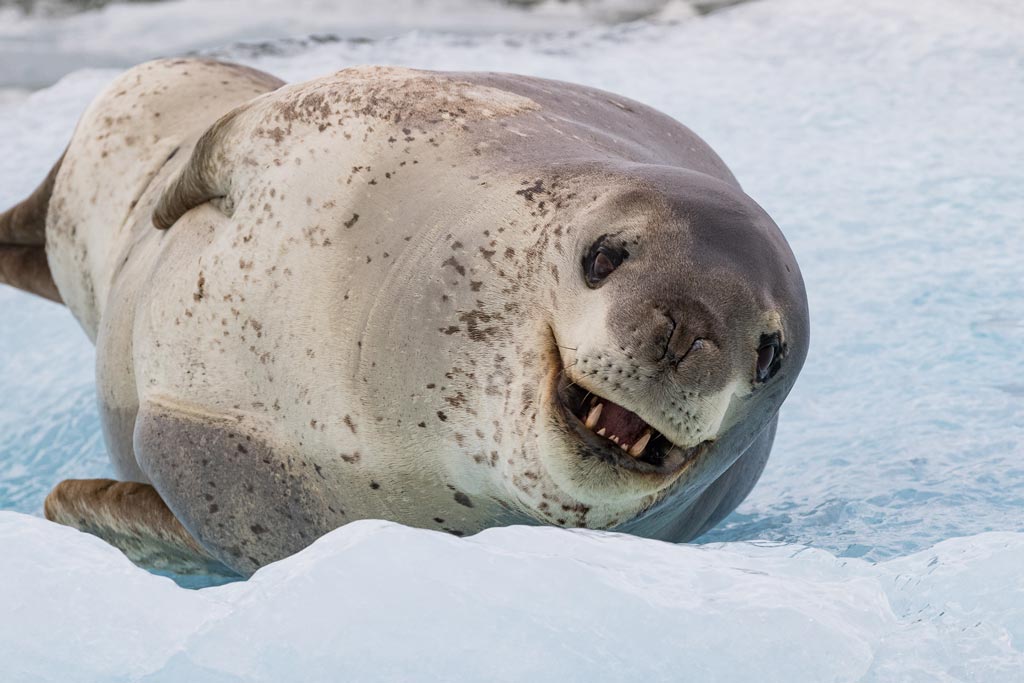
(620,436)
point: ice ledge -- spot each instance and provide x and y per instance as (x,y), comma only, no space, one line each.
(379,601)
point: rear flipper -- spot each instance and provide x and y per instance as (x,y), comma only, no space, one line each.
(26,268)
(23,242)
(133,518)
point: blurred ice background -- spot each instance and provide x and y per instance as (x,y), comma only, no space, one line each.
(886,139)
(40,40)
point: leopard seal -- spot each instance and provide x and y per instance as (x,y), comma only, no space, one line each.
(450,300)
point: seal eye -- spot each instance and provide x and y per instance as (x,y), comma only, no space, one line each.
(603,266)
(601,260)
(768,357)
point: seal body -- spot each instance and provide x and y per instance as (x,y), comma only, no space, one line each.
(386,293)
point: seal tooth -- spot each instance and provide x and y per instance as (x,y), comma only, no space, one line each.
(614,438)
(594,416)
(624,446)
(601,431)
(638,448)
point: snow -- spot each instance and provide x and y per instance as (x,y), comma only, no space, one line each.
(885,539)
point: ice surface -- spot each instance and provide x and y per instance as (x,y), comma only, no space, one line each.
(378,601)
(885,139)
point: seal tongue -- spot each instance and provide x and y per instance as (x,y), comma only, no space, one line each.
(626,426)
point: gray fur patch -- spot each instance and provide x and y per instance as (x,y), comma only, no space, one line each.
(247,501)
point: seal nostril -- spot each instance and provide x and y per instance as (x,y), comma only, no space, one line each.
(667,353)
(697,345)
(677,339)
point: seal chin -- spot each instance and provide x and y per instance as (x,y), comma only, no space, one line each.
(618,436)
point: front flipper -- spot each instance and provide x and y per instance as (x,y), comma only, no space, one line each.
(133,518)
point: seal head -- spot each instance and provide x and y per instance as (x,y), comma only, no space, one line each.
(679,334)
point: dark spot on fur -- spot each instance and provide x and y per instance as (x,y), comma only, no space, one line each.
(459,268)
(529,192)
(374,485)
(258,529)
(462,499)
(352,221)
(476,331)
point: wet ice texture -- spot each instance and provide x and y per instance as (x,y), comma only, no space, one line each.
(885,139)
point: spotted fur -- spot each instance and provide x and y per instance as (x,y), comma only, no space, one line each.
(365,290)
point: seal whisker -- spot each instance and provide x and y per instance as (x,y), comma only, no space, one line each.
(575,382)
(562,371)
